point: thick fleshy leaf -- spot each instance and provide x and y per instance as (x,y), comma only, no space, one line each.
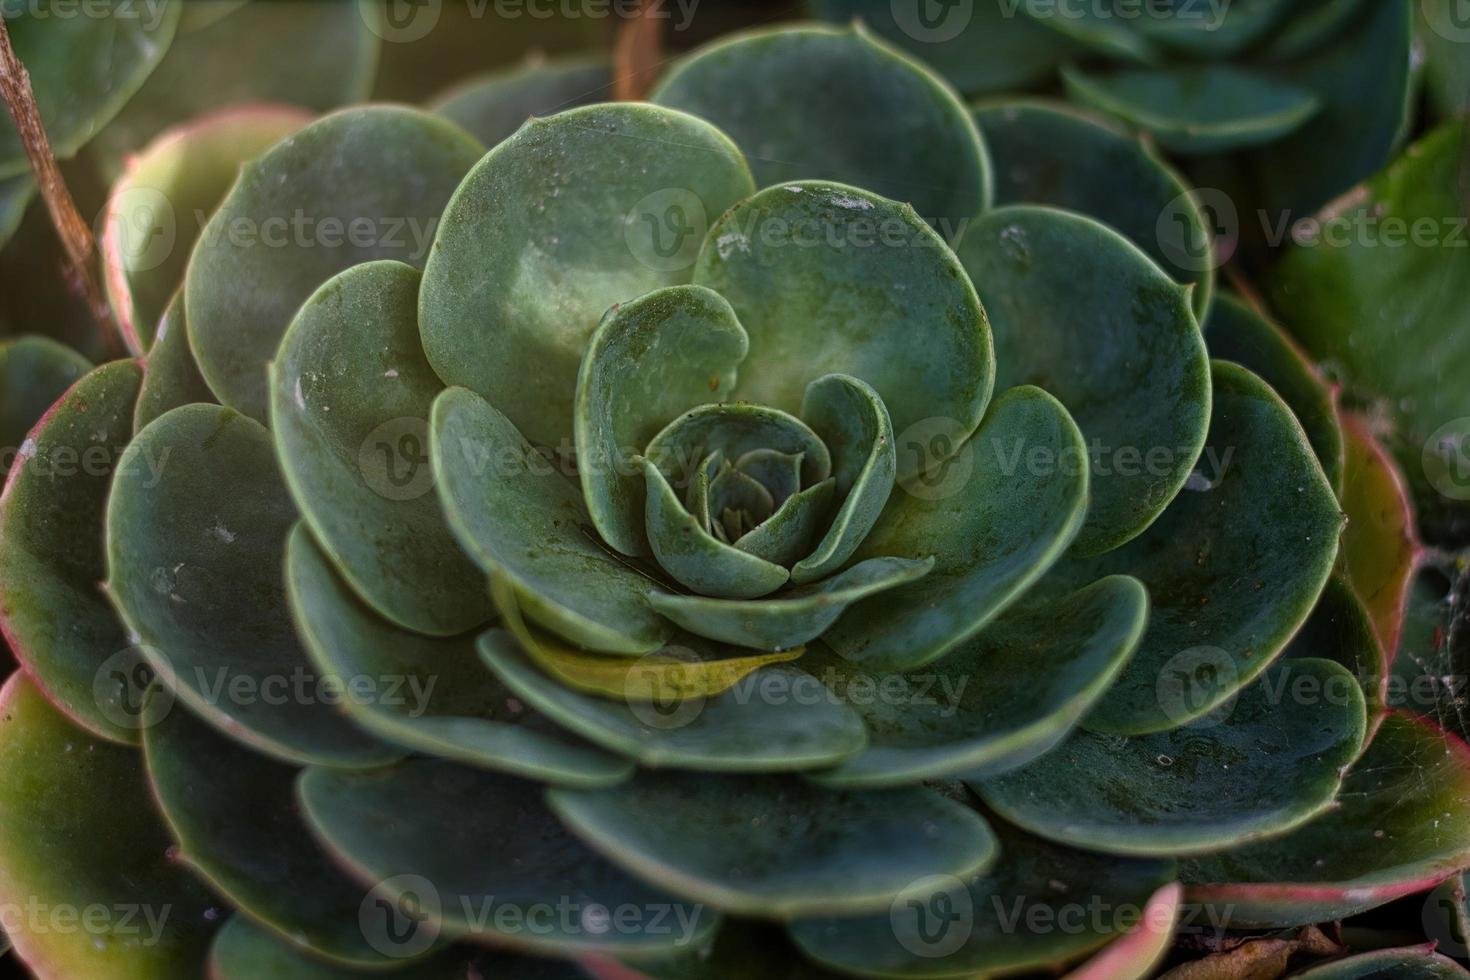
(493,106)
(1233,567)
(695,557)
(1003,698)
(854,425)
(820,276)
(1048,152)
(1379,293)
(298,52)
(1196,110)
(774,846)
(538,243)
(83,69)
(992,526)
(233,813)
(171,378)
(34,373)
(1340,629)
(650,360)
(54,616)
(793,617)
(350,400)
(673,675)
(81,833)
(1098,28)
(746,729)
(734,429)
(430,695)
(1138,954)
(1364,81)
(978,47)
(1406,963)
(1441,35)
(360,184)
(478,854)
(15,196)
(1311,25)
(522,520)
(789,533)
(1221,32)
(1271,764)
(945,927)
(1081,312)
(1402,825)
(196,574)
(1380,546)
(156,209)
(1236,332)
(889,124)
(245,951)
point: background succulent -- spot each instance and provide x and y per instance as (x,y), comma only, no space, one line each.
(670,545)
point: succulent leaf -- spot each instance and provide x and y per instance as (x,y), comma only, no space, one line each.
(508,307)
(1407,963)
(493,106)
(358,185)
(171,377)
(34,373)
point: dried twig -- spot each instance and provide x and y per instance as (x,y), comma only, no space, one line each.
(638,53)
(76,235)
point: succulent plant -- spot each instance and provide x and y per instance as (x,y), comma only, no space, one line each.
(651,541)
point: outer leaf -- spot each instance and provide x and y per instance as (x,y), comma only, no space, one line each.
(1402,825)
(1380,546)
(361,184)
(297,52)
(1233,567)
(820,275)
(1049,152)
(1340,629)
(521,520)
(891,126)
(233,813)
(1275,762)
(1080,311)
(793,617)
(350,399)
(171,377)
(51,545)
(854,425)
(430,695)
(34,373)
(196,575)
(1197,110)
(774,847)
(1003,698)
(471,840)
(945,927)
(1408,963)
(742,730)
(1220,33)
(83,69)
(493,106)
(1138,954)
(156,208)
(80,833)
(649,361)
(1236,332)
(991,530)
(538,243)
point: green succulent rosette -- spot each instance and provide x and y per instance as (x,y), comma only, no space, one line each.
(666,545)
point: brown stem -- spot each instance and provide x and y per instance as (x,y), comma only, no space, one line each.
(76,235)
(638,53)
